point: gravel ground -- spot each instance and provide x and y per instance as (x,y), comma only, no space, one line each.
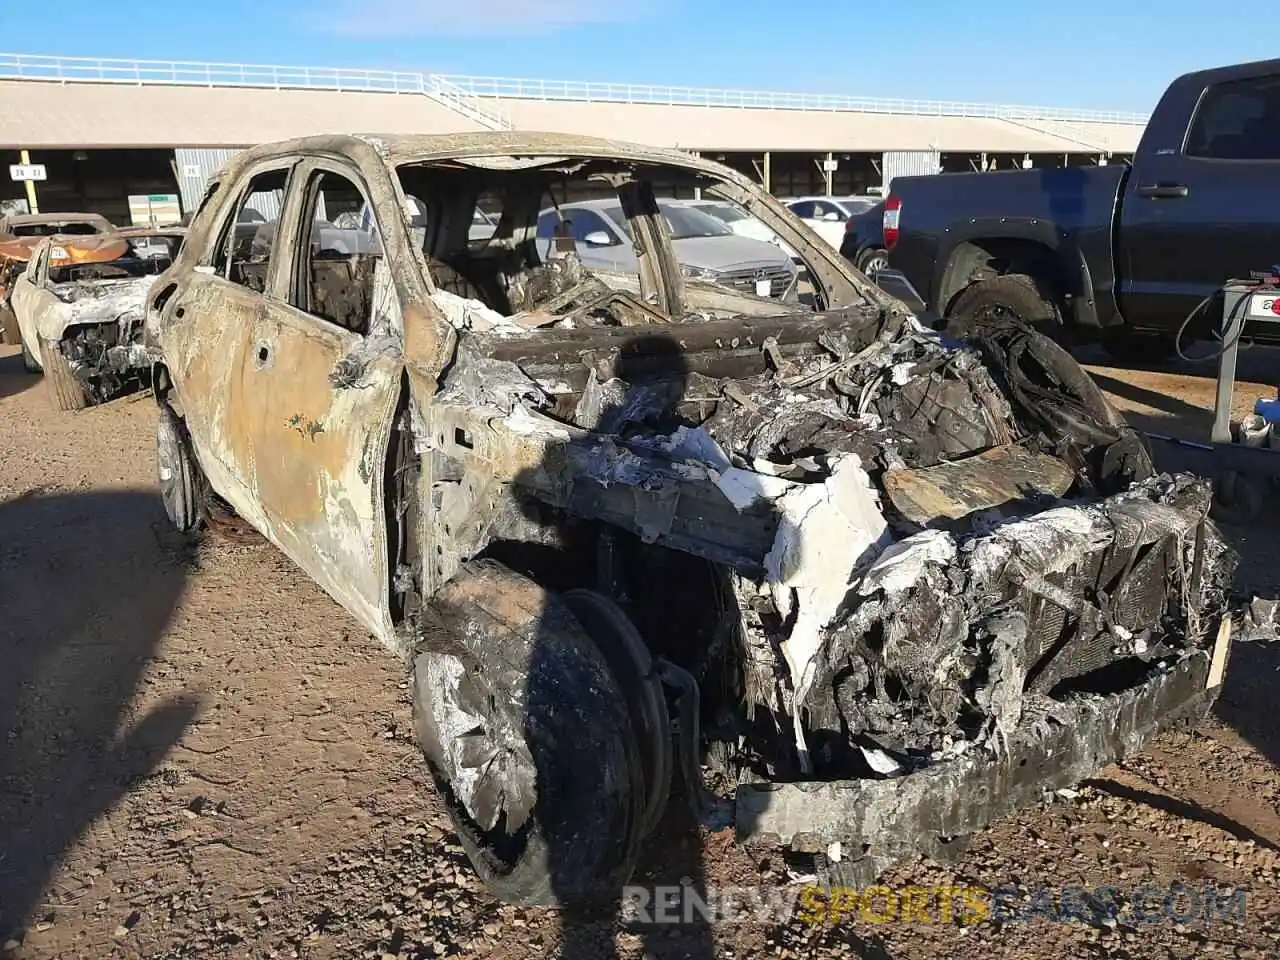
(203,756)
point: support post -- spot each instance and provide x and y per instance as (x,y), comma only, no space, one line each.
(829,173)
(768,172)
(25,158)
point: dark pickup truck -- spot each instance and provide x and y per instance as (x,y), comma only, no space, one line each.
(1120,254)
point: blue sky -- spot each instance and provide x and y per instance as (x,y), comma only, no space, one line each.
(1087,53)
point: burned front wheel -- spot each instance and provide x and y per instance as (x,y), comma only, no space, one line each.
(181,482)
(529,737)
(66,390)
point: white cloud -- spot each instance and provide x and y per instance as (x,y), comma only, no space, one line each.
(478,18)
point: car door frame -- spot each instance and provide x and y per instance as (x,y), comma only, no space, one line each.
(204,336)
(320,444)
(23,299)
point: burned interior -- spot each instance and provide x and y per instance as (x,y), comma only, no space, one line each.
(839,577)
(867,548)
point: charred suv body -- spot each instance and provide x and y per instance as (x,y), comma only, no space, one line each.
(843,578)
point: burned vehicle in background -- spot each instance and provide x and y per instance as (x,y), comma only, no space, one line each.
(80,306)
(20,234)
(847,581)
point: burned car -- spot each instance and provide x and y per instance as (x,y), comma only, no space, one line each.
(80,306)
(848,582)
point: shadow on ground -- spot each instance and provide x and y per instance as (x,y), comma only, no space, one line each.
(13,378)
(88,587)
(1255,364)
(1177,417)
(1249,696)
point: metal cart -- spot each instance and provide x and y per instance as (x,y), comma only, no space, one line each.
(1242,474)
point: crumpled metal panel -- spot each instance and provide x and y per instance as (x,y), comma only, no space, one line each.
(881,822)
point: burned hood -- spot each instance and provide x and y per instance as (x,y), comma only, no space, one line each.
(94,302)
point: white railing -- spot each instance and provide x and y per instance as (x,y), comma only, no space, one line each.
(462,92)
(458,100)
(512,88)
(195,73)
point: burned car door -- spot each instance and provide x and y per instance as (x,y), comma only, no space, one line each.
(23,299)
(211,319)
(322,384)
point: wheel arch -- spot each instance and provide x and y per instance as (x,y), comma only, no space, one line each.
(981,258)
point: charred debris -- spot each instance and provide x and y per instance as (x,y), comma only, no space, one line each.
(876,547)
(102,339)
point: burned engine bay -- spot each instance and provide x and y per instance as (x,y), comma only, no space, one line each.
(94,305)
(102,334)
(878,549)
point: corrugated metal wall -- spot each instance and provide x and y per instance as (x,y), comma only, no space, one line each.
(195,167)
(909,163)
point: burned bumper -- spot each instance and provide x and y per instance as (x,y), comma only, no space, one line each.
(880,822)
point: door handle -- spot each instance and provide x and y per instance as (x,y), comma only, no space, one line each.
(1163,191)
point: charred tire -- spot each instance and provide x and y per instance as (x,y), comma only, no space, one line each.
(1130,346)
(1013,297)
(29,362)
(182,487)
(529,738)
(65,390)
(630,663)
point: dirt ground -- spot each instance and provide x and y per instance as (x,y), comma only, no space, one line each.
(201,755)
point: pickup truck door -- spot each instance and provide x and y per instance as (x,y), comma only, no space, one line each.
(323,392)
(1196,214)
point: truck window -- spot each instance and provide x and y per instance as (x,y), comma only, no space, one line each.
(336,270)
(1239,120)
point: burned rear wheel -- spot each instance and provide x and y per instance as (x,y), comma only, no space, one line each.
(529,737)
(182,487)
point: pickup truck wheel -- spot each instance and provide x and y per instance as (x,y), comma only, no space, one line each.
(1012,297)
(29,362)
(528,735)
(1130,346)
(182,487)
(65,390)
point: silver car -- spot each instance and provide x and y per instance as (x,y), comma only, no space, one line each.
(704,246)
